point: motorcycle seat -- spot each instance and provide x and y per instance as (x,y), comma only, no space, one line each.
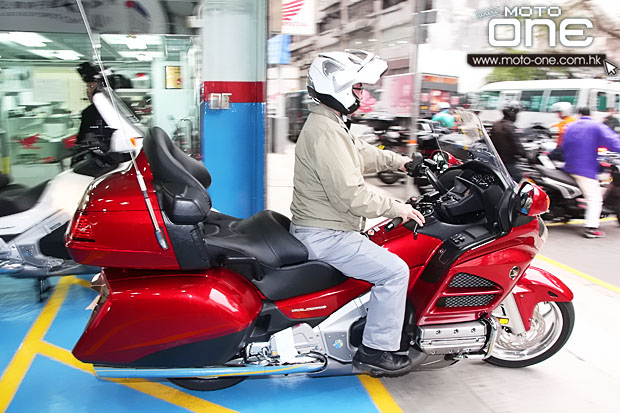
(557,175)
(284,270)
(20,199)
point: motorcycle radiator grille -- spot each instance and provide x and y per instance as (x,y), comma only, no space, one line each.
(466,301)
(464,280)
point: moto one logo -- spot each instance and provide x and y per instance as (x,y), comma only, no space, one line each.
(570,33)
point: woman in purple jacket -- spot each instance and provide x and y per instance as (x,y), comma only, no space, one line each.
(580,147)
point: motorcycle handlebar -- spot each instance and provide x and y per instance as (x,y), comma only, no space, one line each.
(393,224)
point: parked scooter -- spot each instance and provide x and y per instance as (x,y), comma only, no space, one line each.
(33,221)
(221,299)
(567,200)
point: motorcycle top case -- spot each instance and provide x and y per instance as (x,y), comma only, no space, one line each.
(112,226)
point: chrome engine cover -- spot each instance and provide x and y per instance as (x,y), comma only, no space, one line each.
(454,339)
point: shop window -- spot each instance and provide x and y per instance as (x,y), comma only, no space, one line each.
(601,101)
(390,3)
(555,96)
(532,100)
(360,9)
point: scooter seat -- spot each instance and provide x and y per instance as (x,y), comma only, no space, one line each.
(284,270)
(19,199)
(557,175)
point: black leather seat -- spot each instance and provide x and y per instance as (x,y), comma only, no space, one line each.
(557,175)
(19,199)
(260,247)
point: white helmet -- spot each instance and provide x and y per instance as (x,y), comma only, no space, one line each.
(564,108)
(443,105)
(332,75)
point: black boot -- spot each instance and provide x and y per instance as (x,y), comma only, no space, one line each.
(381,363)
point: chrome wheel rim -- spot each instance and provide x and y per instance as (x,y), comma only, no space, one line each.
(545,330)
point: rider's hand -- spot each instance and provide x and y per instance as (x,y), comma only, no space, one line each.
(408,212)
(405,161)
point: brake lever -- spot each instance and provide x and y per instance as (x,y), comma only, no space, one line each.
(415,230)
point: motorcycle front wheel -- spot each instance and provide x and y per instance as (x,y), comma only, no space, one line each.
(552,325)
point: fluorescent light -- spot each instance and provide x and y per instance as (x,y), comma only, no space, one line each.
(141,56)
(133,41)
(372,40)
(25,39)
(402,41)
(58,54)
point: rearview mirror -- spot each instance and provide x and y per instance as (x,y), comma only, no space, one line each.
(532,200)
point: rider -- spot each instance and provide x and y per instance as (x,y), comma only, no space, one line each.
(92,123)
(331,202)
(506,141)
(564,110)
(444,117)
(580,147)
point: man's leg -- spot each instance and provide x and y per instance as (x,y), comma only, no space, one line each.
(358,257)
(594,197)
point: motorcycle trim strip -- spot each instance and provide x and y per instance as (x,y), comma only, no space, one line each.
(206,372)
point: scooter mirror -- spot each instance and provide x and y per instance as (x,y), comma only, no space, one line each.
(532,200)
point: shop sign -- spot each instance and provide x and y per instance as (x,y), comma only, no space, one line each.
(298,17)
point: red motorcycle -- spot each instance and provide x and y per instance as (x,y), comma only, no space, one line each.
(207,300)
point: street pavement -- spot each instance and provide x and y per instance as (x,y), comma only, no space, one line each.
(583,376)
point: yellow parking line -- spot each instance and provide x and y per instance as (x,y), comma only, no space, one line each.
(34,344)
(380,395)
(577,222)
(21,361)
(580,274)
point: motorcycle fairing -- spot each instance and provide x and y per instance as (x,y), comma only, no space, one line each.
(535,286)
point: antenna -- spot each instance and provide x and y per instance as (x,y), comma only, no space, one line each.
(161,239)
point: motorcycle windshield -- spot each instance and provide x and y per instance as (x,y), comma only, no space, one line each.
(119,117)
(470,141)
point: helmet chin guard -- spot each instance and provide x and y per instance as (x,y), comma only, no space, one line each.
(332,75)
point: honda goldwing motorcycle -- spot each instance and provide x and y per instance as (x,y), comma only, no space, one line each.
(207,300)
(33,221)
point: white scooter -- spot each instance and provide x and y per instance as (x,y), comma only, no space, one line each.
(33,221)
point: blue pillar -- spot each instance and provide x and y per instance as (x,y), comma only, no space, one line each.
(233,133)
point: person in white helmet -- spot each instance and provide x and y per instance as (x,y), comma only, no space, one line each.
(443,117)
(564,111)
(331,202)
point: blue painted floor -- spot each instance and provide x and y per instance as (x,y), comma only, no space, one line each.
(54,381)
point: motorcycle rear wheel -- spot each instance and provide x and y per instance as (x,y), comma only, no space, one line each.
(551,327)
(389,177)
(196,383)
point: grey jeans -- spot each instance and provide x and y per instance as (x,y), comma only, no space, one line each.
(356,256)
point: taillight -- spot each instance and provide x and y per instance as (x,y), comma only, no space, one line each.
(82,229)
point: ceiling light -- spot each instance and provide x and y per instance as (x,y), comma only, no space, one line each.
(25,39)
(141,56)
(135,42)
(372,40)
(58,54)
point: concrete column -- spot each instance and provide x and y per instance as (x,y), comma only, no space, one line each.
(234,68)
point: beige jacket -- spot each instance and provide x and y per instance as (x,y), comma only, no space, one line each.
(330,163)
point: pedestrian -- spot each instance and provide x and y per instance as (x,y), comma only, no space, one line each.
(580,148)
(331,202)
(506,141)
(564,111)
(611,120)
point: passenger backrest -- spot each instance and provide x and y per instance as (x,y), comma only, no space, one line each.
(182,181)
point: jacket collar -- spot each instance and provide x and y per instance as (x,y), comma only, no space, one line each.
(323,110)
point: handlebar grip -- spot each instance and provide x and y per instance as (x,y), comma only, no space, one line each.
(393,224)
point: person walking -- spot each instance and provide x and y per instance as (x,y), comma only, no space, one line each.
(580,148)
(331,202)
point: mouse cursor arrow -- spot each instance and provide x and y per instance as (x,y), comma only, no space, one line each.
(610,68)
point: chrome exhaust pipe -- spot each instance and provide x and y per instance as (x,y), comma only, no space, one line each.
(207,372)
(10,267)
